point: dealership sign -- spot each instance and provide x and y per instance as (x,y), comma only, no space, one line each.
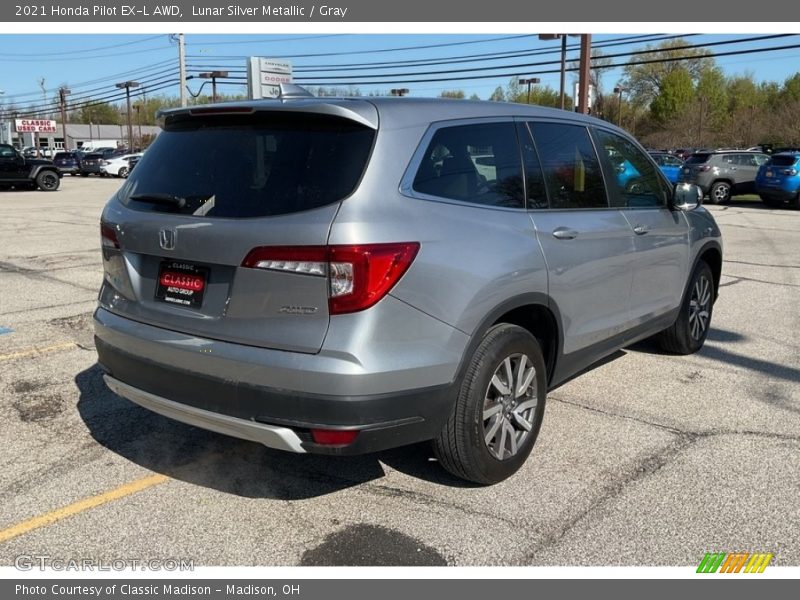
(265,75)
(35,125)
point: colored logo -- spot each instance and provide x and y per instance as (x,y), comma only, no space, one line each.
(737,562)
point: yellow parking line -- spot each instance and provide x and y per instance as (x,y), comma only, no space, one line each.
(37,351)
(81,506)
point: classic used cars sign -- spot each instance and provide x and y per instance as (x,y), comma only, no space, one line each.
(35,125)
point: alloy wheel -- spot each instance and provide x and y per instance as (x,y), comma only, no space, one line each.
(509,406)
(699,308)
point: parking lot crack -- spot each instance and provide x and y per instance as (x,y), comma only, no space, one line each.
(642,469)
(608,413)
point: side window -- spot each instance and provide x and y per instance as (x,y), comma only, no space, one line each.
(761,159)
(571,170)
(535,189)
(673,161)
(634,181)
(6,152)
(477,163)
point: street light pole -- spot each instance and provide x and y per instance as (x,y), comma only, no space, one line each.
(618,90)
(213,75)
(529,81)
(127,85)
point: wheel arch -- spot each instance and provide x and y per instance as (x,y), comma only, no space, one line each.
(536,313)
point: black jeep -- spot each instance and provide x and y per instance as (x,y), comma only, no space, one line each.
(30,173)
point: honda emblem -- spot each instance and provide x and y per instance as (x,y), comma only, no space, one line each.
(166,238)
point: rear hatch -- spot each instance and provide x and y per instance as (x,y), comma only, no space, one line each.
(778,168)
(92,161)
(694,165)
(214,186)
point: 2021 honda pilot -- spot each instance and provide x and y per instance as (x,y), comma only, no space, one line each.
(343,276)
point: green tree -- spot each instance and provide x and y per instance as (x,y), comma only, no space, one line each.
(96,112)
(675,94)
(457,94)
(498,95)
(645,80)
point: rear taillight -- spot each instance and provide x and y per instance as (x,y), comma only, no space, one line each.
(790,172)
(704,168)
(108,236)
(358,276)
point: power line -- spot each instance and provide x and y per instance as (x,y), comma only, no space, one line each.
(120,45)
(401,77)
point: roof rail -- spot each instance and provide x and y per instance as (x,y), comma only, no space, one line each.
(290,91)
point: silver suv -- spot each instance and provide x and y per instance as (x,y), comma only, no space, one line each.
(342,276)
(723,173)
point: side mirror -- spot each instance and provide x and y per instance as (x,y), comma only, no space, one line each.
(687,196)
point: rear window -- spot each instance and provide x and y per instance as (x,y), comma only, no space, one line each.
(243,166)
(93,156)
(783,161)
(63,155)
(697,159)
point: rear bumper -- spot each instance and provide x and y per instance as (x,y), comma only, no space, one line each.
(69,170)
(199,385)
(785,191)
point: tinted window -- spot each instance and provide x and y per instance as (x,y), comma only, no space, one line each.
(571,169)
(697,159)
(761,159)
(7,152)
(670,161)
(473,163)
(250,165)
(633,177)
(535,189)
(782,161)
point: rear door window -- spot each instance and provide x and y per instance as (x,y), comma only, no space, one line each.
(697,159)
(240,166)
(571,168)
(477,163)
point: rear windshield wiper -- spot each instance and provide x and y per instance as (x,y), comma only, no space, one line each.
(168,199)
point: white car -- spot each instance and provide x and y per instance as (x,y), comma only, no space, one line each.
(118,165)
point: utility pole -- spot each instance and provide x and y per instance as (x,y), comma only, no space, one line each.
(182,65)
(583,79)
(62,98)
(127,85)
(618,90)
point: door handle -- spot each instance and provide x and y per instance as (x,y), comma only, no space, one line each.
(640,229)
(563,233)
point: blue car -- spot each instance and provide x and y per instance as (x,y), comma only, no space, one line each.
(778,180)
(669,164)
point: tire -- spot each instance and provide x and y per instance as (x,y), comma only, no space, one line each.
(795,202)
(488,449)
(123,172)
(84,174)
(48,181)
(771,201)
(689,331)
(720,193)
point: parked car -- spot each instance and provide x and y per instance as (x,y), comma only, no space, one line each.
(778,180)
(335,276)
(670,165)
(118,166)
(92,163)
(20,172)
(133,161)
(68,162)
(723,174)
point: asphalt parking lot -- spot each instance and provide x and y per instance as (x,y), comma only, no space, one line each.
(648,459)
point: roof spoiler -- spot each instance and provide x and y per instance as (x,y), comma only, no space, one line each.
(290,91)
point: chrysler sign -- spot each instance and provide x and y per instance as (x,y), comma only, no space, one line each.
(35,125)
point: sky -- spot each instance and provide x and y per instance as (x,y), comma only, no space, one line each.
(90,65)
